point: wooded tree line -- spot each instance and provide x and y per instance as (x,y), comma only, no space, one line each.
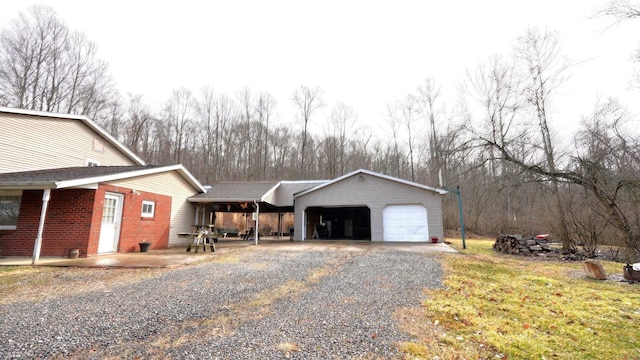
(497,142)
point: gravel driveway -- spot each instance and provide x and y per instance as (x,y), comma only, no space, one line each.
(249,304)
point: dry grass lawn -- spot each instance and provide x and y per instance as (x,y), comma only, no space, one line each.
(493,306)
(500,306)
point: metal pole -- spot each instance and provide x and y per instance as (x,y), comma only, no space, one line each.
(464,244)
(255,233)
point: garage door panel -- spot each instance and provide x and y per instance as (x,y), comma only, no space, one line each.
(405,223)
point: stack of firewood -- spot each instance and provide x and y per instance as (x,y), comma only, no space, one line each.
(518,245)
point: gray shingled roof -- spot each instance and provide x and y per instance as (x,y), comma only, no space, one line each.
(237,191)
(65,174)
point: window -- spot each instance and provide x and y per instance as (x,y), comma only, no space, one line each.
(9,209)
(92,163)
(148,208)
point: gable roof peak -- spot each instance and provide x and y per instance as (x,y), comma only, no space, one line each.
(375,174)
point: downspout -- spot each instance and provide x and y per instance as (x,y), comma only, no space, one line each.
(257,232)
(46,195)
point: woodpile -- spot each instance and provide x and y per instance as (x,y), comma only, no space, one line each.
(518,245)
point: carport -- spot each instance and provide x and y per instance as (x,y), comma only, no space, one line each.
(254,197)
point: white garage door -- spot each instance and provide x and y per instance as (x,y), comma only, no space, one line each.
(405,223)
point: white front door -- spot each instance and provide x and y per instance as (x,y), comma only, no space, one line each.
(110,228)
(405,223)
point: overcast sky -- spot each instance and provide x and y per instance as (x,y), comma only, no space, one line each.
(364,53)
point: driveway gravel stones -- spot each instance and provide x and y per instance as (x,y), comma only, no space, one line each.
(260,304)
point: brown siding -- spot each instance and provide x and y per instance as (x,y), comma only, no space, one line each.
(375,193)
(32,143)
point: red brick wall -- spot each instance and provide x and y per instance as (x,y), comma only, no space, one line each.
(67,224)
(73,221)
(134,228)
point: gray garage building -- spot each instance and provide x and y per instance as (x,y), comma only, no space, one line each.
(364,205)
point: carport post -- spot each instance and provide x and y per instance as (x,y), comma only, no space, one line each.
(46,195)
(256,232)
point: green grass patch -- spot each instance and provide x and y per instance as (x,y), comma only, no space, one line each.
(522,308)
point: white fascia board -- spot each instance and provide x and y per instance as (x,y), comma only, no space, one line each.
(407,182)
(129,174)
(269,192)
(223,200)
(303,181)
(368,172)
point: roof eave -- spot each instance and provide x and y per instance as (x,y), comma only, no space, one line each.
(222,200)
(32,185)
(371,173)
(84,181)
(270,191)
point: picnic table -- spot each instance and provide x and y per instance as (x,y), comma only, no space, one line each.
(202,236)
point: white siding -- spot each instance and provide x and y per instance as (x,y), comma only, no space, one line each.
(32,143)
(284,193)
(169,184)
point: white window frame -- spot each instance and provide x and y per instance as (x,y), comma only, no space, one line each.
(17,193)
(148,214)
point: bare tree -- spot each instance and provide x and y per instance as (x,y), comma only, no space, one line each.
(409,112)
(45,66)
(205,110)
(307,101)
(428,96)
(225,115)
(283,152)
(497,88)
(178,114)
(136,127)
(246,101)
(623,10)
(394,121)
(265,109)
(540,56)
(620,9)
(608,164)
(340,132)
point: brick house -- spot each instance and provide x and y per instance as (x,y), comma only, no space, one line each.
(82,189)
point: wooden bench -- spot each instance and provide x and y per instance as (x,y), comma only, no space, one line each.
(247,234)
(230,232)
